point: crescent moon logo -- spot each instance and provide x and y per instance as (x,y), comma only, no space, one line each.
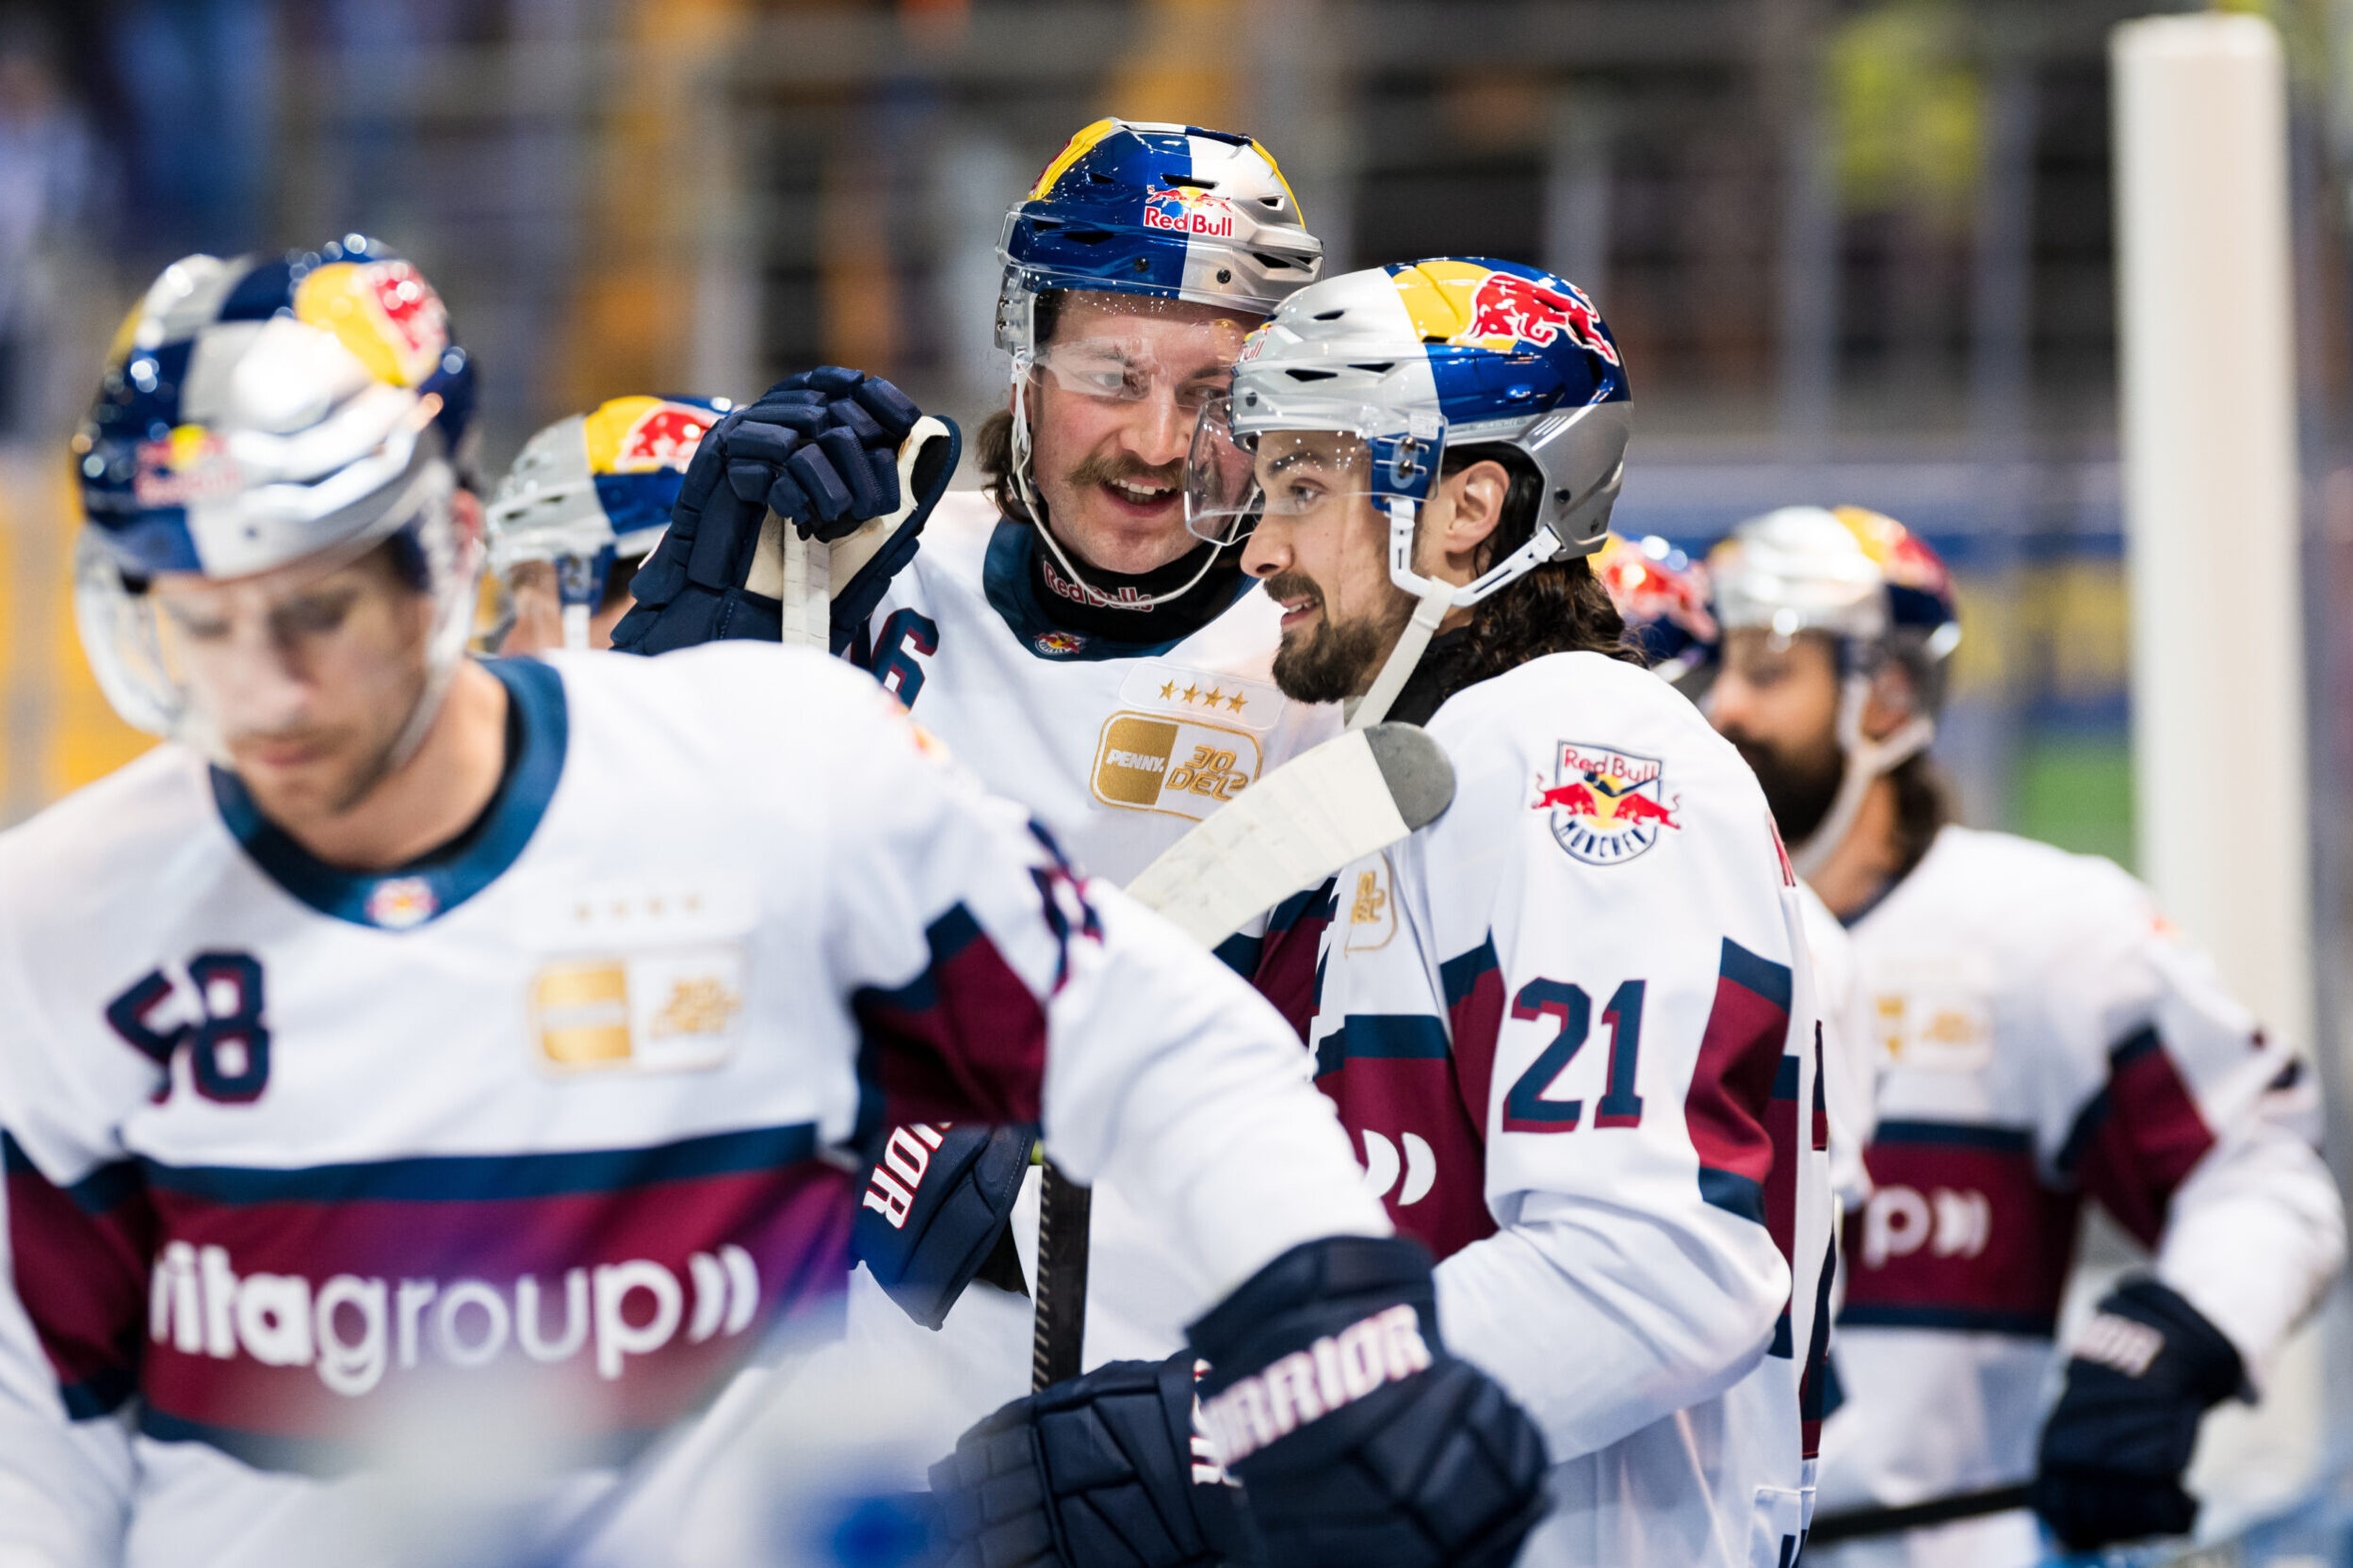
(1383,1165)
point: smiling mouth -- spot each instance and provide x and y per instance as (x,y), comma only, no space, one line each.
(1138,493)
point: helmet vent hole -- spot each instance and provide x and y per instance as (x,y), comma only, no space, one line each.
(1188,181)
(1087,236)
(1265,260)
(1330,315)
(1311,375)
(1381,369)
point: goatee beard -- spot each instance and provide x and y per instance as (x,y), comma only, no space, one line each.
(1798,787)
(1338,659)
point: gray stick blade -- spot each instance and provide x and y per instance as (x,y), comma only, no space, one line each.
(1296,826)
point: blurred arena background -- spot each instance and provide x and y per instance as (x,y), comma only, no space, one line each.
(1855,250)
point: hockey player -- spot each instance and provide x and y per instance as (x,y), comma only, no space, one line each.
(412,1027)
(1572,1022)
(1059,631)
(584,505)
(2053,1040)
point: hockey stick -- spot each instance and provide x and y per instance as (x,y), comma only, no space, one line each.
(1346,799)
(1864,1524)
(801,574)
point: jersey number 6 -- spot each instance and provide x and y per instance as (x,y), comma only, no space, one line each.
(1525,1108)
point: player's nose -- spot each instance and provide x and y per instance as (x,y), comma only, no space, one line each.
(1267,550)
(1161,434)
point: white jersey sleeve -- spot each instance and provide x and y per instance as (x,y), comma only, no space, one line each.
(989,978)
(2189,1124)
(1853,1051)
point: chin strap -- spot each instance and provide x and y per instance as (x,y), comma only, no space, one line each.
(1369,709)
(1865,760)
(1028,495)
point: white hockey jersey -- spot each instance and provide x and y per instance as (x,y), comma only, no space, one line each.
(1572,1024)
(2051,1041)
(559,1117)
(1119,749)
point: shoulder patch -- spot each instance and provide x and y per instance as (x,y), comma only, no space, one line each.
(1607,805)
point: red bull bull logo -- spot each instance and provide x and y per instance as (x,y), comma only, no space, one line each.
(1521,310)
(1606,806)
(413,316)
(1183,210)
(664,436)
(188,465)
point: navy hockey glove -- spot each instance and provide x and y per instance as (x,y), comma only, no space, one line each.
(822,449)
(1362,1443)
(1104,1471)
(935,1211)
(2147,1366)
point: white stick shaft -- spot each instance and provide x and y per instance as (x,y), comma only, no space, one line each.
(808,591)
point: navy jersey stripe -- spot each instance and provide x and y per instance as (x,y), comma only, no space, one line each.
(1955,1135)
(1393,1036)
(468,1178)
(2030,1325)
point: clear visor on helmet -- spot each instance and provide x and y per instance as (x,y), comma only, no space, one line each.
(206,660)
(1234,478)
(1141,349)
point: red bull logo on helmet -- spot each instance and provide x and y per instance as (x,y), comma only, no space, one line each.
(1183,210)
(188,465)
(664,436)
(384,312)
(1607,805)
(1520,309)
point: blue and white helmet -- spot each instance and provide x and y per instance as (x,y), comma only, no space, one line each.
(1411,360)
(591,495)
(1170,212)
(258,412)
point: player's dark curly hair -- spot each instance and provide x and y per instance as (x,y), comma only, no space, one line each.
(1560,607)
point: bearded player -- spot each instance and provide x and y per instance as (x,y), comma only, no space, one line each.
(1571,1023)
(413,1042)
(1060,630)
(2053,1040)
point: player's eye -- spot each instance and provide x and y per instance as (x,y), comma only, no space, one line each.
(311,615)
(199,627)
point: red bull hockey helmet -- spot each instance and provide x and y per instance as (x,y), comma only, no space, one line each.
(1859,575)
(1170,212)
(1882,596)
(593,493)
(1403,362)
(1662,593)
(1410,360)
(261,411)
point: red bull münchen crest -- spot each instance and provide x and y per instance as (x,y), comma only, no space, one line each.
(1607,805)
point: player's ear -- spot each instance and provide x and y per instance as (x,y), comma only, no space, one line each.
(1892,701)
(1478,494)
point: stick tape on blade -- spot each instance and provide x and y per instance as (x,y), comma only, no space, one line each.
(1346,799)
